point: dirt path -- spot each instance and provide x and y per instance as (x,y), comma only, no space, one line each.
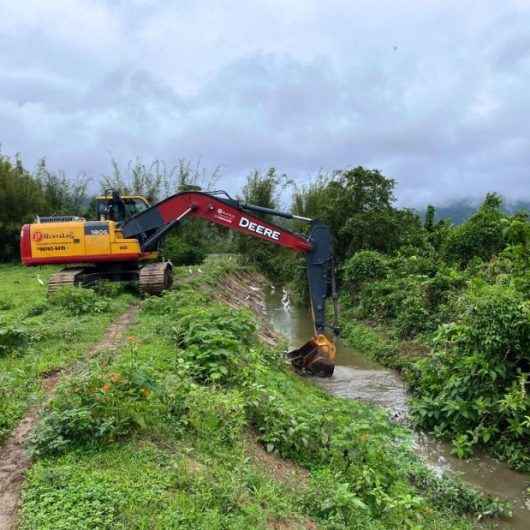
(14,461)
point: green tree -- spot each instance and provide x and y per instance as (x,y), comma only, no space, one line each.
(62,196)
(480,236)
(357,204)
(429,218)
(21,198)
(140,179)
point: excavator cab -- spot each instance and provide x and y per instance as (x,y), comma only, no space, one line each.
(115,207)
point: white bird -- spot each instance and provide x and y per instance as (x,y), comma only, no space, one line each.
(285,300)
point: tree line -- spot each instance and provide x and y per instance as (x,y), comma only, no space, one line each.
(25,194)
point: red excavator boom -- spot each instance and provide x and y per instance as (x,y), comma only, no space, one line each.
(316,356)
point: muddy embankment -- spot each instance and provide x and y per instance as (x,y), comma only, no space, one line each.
(357,377)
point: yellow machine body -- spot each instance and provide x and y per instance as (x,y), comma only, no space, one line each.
(81,241)
(71,240)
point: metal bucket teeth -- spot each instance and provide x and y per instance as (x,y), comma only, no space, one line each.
(315,357)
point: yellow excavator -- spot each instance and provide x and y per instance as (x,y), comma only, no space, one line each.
(123,245)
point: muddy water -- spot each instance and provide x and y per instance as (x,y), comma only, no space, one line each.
(357,377)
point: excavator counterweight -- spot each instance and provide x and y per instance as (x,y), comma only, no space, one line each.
(123,244)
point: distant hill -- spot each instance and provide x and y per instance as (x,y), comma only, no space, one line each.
(461,210)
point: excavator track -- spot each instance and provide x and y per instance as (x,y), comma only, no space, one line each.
(155,278)
(63,278)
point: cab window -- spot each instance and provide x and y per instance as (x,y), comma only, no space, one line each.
(134,206)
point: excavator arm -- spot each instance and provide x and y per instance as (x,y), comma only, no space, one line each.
(150,226)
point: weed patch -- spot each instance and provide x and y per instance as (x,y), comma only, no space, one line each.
(80,301)
(474,389)
(38,337)
(91,502)
(13,340)
(98,406)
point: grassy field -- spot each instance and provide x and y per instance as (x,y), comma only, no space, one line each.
(194,424)
(37,337)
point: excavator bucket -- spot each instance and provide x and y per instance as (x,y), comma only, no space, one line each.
(315,357)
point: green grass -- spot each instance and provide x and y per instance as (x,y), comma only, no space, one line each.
(51,337)
(160,436)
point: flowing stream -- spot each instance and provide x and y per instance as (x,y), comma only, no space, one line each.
(357,377)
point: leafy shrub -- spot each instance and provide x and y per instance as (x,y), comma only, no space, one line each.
(413,264)
(13,339)
(215,342)
(79,301)
(217,418)
(98,406)
(474,390)
(161,305)
(336,503)
(413,303)
(413,317)
(481,236)
(401,300)
(440,288)
(364,266)
(181,252)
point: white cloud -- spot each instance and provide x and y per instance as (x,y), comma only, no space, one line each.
(432,93)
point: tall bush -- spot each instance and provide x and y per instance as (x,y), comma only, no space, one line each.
(481,236)
(24,195)
(474,390)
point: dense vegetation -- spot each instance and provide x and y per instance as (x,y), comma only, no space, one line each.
(38,337)
(468,300)
(24,195)
(169,431)
(461,291)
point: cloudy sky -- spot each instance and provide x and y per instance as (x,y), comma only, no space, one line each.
(435,93)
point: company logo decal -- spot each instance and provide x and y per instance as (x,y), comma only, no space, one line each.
(259,229)
(39,236)
(224,215)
